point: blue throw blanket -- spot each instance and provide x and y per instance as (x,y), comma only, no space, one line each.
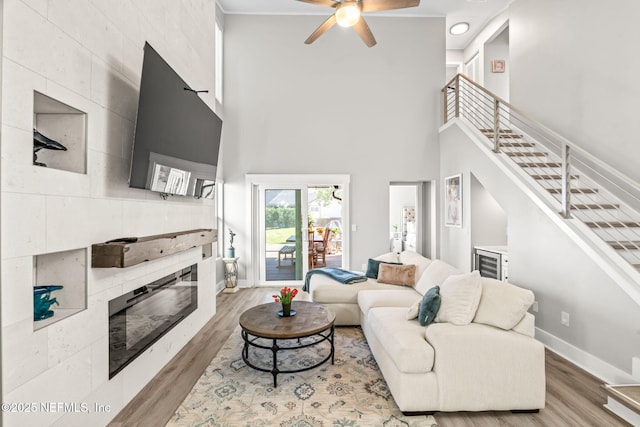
(338,274)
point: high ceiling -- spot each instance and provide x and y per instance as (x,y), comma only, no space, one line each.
(476,12)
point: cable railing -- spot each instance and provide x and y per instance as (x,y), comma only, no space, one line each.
(583,186)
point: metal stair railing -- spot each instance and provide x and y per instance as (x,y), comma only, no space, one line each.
(584,187)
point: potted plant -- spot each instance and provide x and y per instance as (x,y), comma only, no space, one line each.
(285,296)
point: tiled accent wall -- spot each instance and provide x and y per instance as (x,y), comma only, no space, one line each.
(88,54)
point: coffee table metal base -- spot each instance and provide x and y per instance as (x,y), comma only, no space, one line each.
(250,341)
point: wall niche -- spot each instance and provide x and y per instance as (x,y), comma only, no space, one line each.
(68,269)
(64,125)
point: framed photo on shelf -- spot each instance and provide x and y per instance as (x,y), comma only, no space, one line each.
(497,66)
(453,201)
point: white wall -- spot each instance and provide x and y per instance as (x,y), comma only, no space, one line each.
(573,68)
(488,221)
(333,107)
(88,54)
(603,332)
(497,48)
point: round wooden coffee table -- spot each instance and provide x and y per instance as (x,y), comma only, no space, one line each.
(312,320)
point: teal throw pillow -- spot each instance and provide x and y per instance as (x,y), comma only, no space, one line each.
(373,266)
(429,306)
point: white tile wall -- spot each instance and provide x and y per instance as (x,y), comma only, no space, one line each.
(112,90)
(67,382)
(86,24)
(28,357)
(88,54)
(34,42)
(18,84)
(17,290)
(23,224)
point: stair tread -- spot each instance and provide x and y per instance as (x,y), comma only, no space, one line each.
(499,130)
(526,154)
(612,224)
(630,394)
(518,144)
(574,190)
(581,206)
(552,177)
(625,244)
(505,135)
(540,165)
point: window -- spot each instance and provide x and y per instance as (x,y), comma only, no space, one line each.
(219,195)
(218,69)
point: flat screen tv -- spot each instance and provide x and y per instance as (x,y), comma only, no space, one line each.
(177,136)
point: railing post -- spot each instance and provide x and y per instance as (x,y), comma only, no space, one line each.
(458,95)
(496,126)
(566,181)
(445,105)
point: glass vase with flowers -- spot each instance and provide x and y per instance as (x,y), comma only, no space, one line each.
(285,297)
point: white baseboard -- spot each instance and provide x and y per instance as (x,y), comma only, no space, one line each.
(219,286)
(607,373)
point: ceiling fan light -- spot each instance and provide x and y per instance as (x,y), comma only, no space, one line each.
(347,15)
(459,28)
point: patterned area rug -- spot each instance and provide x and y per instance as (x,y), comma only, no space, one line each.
(349,393)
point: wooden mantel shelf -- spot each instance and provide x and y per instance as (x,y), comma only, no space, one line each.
(129,251)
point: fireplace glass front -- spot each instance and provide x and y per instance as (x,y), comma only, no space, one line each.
(139,318)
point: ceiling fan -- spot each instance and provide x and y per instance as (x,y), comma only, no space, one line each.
(348,12)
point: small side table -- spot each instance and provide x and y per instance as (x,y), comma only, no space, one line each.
(230,275)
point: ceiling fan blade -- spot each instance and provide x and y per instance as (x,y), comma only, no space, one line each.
(330,22)
(327,3)
(377,5)
(364,32)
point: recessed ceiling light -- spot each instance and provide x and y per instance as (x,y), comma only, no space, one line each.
(459,28)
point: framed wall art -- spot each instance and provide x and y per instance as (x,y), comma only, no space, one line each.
(453,201)
(497,66)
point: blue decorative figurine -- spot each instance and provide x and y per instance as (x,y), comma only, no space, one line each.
(42,301)
(231,251)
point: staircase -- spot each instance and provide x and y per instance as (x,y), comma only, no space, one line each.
(582,187)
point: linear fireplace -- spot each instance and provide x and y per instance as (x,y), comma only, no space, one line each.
(139,318)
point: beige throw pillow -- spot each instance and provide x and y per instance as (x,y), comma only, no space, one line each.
(388,257)
(409,257)
(460,296)
(435,274)
(403,275)
(502,305)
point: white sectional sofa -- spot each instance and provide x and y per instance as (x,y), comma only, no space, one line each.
(479,354)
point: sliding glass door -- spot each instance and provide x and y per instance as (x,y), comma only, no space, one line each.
(296,227)
(283,228)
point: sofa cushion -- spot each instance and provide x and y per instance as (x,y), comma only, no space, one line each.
(404,342)
(373,267)
(325,290)
(460,296)
(414,310)
(502,304)
(410,257)
(481,367)
(398,297)
(435,274)
(429,306)
(403,275)
(526,326)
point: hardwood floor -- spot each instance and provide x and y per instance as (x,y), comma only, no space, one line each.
(574,397)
